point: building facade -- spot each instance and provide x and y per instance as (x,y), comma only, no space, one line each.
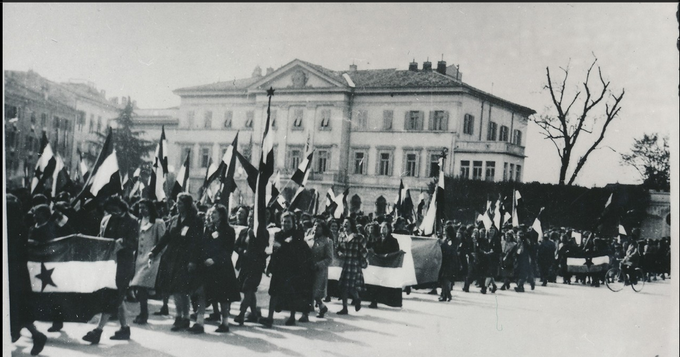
(369,128)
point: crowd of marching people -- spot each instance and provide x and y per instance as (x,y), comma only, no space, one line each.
(184,252)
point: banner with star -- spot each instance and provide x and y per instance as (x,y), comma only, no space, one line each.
(73,274)
(588,265)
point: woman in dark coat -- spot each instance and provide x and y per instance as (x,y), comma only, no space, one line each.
(450,267)
(291,269)
(176,269)
(251,263)
(523,261)
(491,251)
(508,247)
(352,248)
(471,254)
(386,245)
(220,283)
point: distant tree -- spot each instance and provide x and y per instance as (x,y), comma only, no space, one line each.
(131,149)
(650,156)
(564,127)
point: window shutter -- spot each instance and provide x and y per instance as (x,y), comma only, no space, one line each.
(445,124)
(430,123)
(406,120)
(421,119)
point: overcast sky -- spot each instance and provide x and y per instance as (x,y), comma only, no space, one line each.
(148,50)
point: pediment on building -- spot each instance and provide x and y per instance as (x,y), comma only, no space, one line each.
(301,75)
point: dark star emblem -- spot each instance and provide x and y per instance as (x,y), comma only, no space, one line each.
(589,263)
(270,91)
(45,276)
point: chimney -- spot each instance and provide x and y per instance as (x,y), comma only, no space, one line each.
(413,66)
(353,67)
(103,93)
(427,66)
(441,67)
(114,100)
(257,72)
(270,70)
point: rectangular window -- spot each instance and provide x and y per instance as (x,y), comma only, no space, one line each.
(205,157)
(503,134)
(190,118)
(413,120)
(228,116)
(511,175)
(361,120)
(505,171)
(518,173)
(359,163)
(385,167)
(322,161)
(99,124)
(388,118)
(295,159)
(491,135)
(80,121)
(207,119)
(411,165)
(476,170)
(517,139)
(325,119)
(469,124)
(43,121)
(11,112)
(465,169)
(439,121)
(490,170)
(298,115)
(250,115)
(434,165)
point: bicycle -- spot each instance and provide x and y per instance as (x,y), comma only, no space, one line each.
(616,280)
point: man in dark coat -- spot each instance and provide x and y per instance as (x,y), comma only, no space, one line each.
(124,228)
(546,259)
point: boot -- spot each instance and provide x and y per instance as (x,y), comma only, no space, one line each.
(240,318)
(56,326)
(38,344)
(122,334)
(93,336)
(164,311)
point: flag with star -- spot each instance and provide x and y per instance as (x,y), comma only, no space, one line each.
(75,272)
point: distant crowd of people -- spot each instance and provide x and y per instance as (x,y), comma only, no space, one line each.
(185,252)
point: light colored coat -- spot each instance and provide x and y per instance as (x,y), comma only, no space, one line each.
(149,235)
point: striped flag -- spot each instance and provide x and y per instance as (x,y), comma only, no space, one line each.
(341,201)
(45,166)
(265,171)
(159,171)
(609,200)
(209,188)
(226,170)
(537,227)
(182,179)
(331,205)
(73,272)
(301,174)
(497,215)
(104,179)
(251,171)
(429,224)
(60,179)
(515,203)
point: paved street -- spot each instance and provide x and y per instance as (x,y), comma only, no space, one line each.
(558,320)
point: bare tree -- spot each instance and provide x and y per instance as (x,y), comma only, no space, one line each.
(565,128)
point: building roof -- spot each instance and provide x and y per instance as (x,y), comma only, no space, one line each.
(236,85)
(393,78)
(86,91)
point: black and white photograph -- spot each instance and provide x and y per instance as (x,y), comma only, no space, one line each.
(340,179)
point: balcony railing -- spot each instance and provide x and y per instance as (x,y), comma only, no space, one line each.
(489,147)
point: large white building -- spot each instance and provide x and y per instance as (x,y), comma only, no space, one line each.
(369,128)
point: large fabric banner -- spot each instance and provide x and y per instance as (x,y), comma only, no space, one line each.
(417,263)
(587,265)
(72,275)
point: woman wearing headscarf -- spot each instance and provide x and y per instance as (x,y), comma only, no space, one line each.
(220,283)
(151,229)
(291,270)
(177,265)
(352,248)
(322,256)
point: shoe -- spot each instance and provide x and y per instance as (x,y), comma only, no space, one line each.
(303,318)
(93,336)
(214,317)
(467,290)
(163,311)
(483,291)
(374,305)
(180,324)
(290,321)
(343,312)
(140,320)
(533,286)
(266,322)
(503,287)
(193,317)
(322,312)
(196,328)
(357,305)
(545,283)
(122,334)
(240,319)
(408,290)
(519,290)
(327,299)
(56,327)
(440,299)
(222,328)
(254,317)
(38,344)
(493,288)
(433,292)
(449,298)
